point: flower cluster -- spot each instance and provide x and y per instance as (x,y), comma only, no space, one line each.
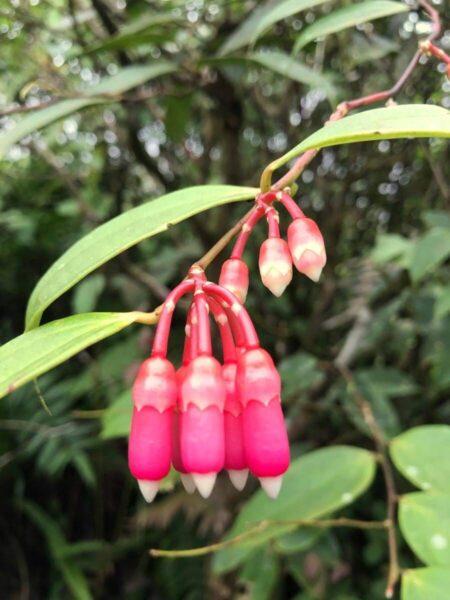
(305,248)
(210,415)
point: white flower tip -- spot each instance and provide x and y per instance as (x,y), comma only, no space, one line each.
(271,485)
(238,478)
(187,482)
(313,273)
(149,489)
(277,289)
(204,482)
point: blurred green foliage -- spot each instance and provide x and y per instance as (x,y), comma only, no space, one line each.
(72,522)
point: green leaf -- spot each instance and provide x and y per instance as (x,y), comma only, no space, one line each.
(407,120)
(379,385)
(390,246)
(422,455)
(261,19)
(424,520)
(296,541)
(315,485)
(432,583)
(429,252)
(299,373)
(135,33)
(285,65)
(436,218)
(126,79)
(261,582)
(73,576)
(87,293)
(126,230)
(117,418)
(365,49)
(348,16)
(442,302)
(35,352)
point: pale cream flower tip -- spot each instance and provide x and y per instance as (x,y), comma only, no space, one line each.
(271,485)
(238,478)
(149,489)
(204,483)
(188,482)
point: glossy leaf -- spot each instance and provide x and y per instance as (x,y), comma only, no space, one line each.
(429,252)
(432,583)
(35,352)
(422,455)
(261,19)
(407,120)
(126,230)
(424,519)
(126,79)
(348,16)
(285,65)
(315,485)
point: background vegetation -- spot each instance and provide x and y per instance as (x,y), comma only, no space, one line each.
(376,329)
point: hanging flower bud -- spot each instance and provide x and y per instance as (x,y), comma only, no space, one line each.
(234,277)
(202,426)
(307,247)
(235,461)
(265,437)
(275,265)
(149,450)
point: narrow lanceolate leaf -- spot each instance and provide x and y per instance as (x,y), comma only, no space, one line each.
(348,16)
(424,519)
(315,485)
(126,79)
(285,65)
(261,19)
(122,232)
(405,121)
(422,455)
(35,352)
(137,32)
(432,583)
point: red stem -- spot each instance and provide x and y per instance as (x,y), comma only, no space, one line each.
(242,316)
(246,230)
(226,335)
(162,331)
(291,206)
(272,221)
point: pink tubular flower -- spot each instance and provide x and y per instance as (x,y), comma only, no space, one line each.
(265,437)
(234,277)
(307,247)
(235,460)
(150,449)
(275,265)
(202,427)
